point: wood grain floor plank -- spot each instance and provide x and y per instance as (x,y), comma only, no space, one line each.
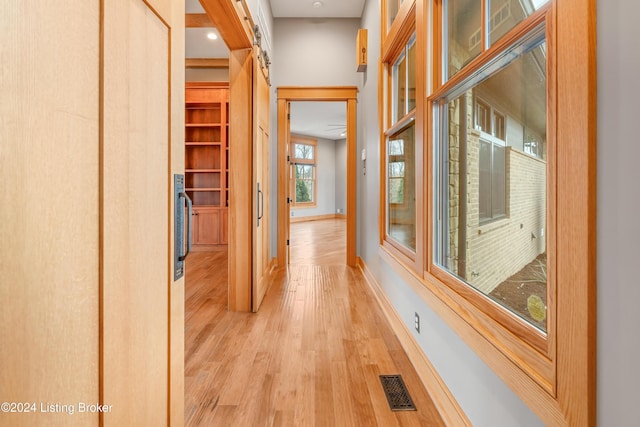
(312,354)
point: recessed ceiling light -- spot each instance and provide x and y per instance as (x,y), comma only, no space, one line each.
(212,36)
(317,4)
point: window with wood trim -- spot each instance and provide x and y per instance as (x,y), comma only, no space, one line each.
(499,240)
(402,117)
(509,163)
(400,147)
(396,172)
(393,6)
(489,177)
(304,163)
(401,186)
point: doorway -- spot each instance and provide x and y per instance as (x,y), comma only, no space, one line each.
(287,95)
(318,182)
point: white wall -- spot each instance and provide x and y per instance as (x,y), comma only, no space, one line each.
(485,399)
(308,52)
(315,52)
(206,75)
(325,181)
(618,207)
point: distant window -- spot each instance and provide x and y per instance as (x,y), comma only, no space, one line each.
(400,149)
(483,116)
(499,126)
(492,181)
(489,121)
(401,188)
(396,171)
(403,76)
(303,161)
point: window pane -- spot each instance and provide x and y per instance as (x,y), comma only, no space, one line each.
(498,182)
(498,127)
(411,71)
(392,11)
(396,170)
(464,40)
(396,148)
(401,203)
(506,14)
(396,190)
(304,183)
(304,171)
(399,75)
(484,191)
(303,151)
(491,199)
(309,186)
(304,191)
(483,116)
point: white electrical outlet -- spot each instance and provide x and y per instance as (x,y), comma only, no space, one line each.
(417,322)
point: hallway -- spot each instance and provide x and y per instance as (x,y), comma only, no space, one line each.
(310,356)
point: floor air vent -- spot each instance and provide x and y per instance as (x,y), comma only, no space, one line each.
(396,392)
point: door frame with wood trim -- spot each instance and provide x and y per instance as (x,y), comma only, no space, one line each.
(347,94)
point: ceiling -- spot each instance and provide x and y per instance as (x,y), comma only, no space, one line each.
(197,45)
(326,120)
(327,8)
(318,119)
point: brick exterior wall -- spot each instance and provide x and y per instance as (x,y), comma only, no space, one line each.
(500,248)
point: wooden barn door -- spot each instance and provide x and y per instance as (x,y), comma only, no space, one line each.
(261,159)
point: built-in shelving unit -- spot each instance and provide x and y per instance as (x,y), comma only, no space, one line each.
(207,160)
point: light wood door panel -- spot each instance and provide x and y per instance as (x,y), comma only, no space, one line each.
(261,181)
(207,226)
(240,179)
(136,230)
(292,174)
(85,222)
(49,214)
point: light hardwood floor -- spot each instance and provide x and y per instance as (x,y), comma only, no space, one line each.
(310,356)
(320,242)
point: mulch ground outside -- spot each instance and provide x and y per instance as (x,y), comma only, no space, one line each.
(514,292)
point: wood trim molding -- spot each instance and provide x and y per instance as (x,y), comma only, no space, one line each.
(197,20)
(304,139)
(348,94)
(207,84)
(229,20)
(209,248)
(556,380)
(283,177)
(576,209)
(241,187)
(456,315)
(317,93)
(206,63)
(352,159)
(316,217)
(448,407)
(403,26)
